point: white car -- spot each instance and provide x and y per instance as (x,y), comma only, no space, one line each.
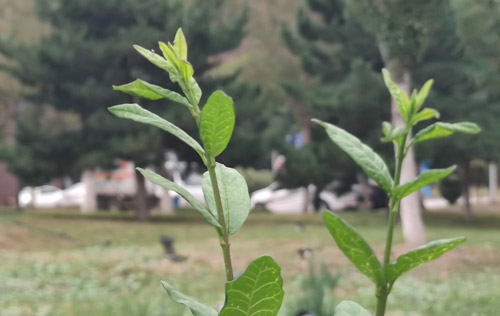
(74,196)
(280,200)
(45,196)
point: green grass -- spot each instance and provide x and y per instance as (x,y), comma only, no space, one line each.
(66,263)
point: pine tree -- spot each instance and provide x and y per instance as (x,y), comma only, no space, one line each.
(462,57)
(341,59)
(89,49)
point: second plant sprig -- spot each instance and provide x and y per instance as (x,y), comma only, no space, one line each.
(225,190)
(352,244)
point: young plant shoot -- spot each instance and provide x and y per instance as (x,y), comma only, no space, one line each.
(259,290)
(356,249)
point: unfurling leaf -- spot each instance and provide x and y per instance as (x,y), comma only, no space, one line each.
(143,89)
(425,114)
(136,113)
(257,292)
(169,54)
(350,308)
(392,134)
(195,89)
(155,59)
(169,185)
(364,156)
(355,248)
(197,309)
(423,93)
(185,69)
(399,96)
(423,180)
(440,129)
(233,193)
(419,256)
(217,123)
(180,45)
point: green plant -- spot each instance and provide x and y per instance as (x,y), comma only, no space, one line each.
(259,290)
(314,291)
(347,238)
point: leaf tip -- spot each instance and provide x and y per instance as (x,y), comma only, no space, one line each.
(319,122)
(113,109)
(386,74)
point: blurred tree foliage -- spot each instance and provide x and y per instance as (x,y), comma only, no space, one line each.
(345,88)
(463,59)
(88,49)
(343,45)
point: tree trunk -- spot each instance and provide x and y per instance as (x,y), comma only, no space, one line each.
(90,200)
(142,211)
(307,200)
(493,181)
(411,211)
(469,217)
(166,204)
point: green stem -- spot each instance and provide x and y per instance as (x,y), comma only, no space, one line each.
(224,237)
(384,290)
(382,295)
(210,163)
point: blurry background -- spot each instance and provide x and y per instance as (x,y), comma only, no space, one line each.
(283,62)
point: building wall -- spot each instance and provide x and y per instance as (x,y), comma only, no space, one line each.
(9,187)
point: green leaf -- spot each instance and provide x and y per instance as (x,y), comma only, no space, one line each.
(423,93)
(180,45)
(195,88)
(364,156)
(155,59)
(234,196)
(136,113)
(413,101)
(143,89)
(392,133)
(441,129)
(217,123)
(426,178)
(398,95)
(168,53)
(425,114)
(182,66)
(355,248)
(185,69)
(350,308)
(257,292)
(169,185)
(419,256)
(196,307)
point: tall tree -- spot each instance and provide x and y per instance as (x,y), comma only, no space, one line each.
(402,30)
(463,58)
(89,49)
(341,59)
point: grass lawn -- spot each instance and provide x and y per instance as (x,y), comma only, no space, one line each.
(65,263)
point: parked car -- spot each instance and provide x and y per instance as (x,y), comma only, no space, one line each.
(73,196)
(45,196)
(281,200)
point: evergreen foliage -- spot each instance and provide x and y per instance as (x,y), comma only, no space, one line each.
(343,62)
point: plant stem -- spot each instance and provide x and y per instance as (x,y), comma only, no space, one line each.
(384,290)
(382,294)
(224,237)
